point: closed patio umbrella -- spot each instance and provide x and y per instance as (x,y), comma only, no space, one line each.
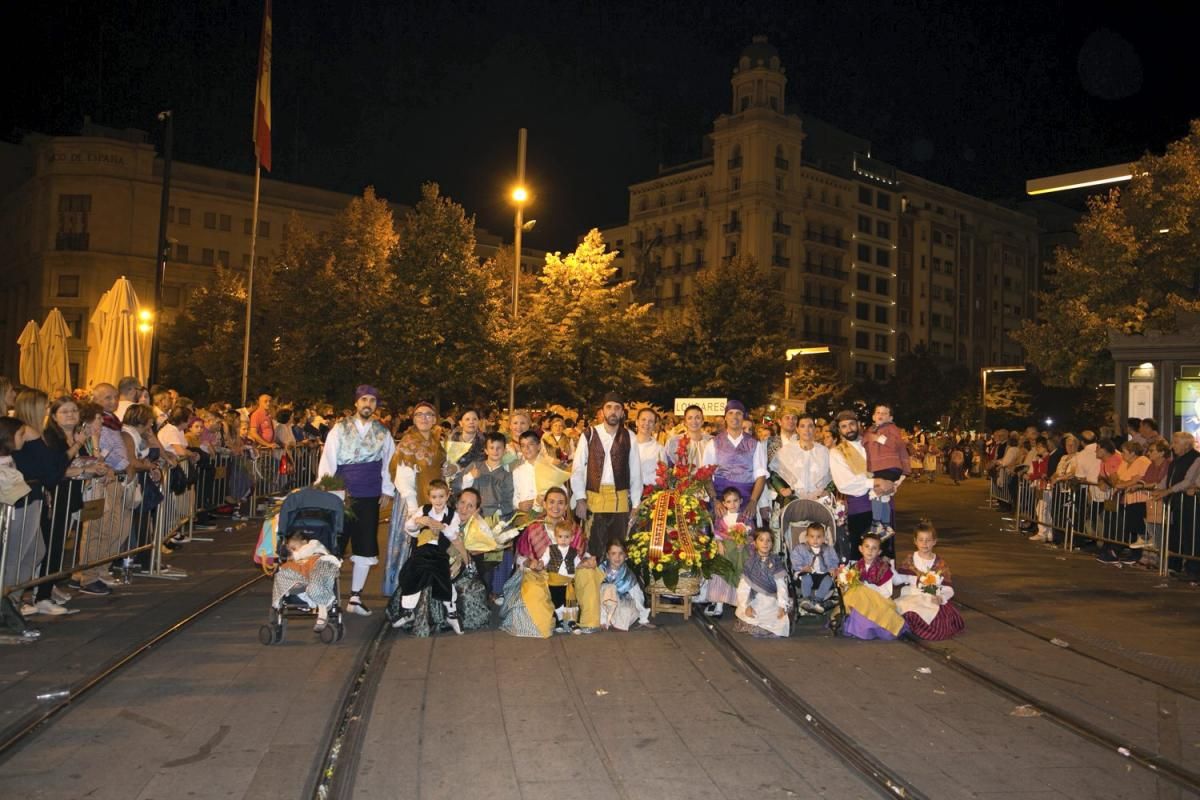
(30,341)
(119,349)
(56,360)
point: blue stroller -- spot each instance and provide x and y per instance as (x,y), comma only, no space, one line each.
(319,515)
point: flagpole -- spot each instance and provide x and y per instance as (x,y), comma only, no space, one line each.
(250,283)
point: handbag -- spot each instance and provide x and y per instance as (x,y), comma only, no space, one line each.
(177,481)
(131,494)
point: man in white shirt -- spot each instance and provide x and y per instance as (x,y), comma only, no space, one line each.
(848,466)
(606,477)
(741,462)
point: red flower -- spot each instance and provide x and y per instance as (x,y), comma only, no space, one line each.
(691,516)
(705,473)
(681,470)
(667,548)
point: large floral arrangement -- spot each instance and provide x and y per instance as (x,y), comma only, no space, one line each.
(673,531)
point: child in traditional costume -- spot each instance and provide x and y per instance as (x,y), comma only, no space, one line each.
(926,589)
(428,566)
(731,534)
(814,562)
(494,483)
(762,594)
(622,601)
(560,561)
(867,595)
(310,564)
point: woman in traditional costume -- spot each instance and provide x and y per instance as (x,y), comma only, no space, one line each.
(464,447)
(693,429)
(926,589)
(527,609)
(762,594)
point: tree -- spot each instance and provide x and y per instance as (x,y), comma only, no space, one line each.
(578,337)
(729,341)
(202,348)
(1137,264)
(335,295)
(446,310)
(1007,400)
(821,388)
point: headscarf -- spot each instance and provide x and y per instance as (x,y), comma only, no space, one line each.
(763,572)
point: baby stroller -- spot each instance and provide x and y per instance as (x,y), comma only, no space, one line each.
(319,515)
(794,521)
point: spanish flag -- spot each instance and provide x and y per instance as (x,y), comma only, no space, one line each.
(262,96)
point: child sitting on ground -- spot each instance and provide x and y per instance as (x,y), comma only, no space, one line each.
(926,589)
(428,566)
(870,613)
(731,534)
(560,562)
(814,562)
(762,595)
(622,602)
(311,565)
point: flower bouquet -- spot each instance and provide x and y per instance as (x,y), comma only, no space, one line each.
(930,582)
(832,499)
(672,548)
(847,577)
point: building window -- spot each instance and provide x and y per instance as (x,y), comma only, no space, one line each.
(74,320)
(210,220)
(864,253)
(172,296)
(936,320)
(881,286)
(864,223)
(881,315)
(937,237)
(862,339)
(185,216)
(937,264)
(904,317)
(883,258)
(73,213)
(226,222)
(862,311)
(905,289)
(68,286)
(883,201)
(880,372)
(883,229)
(935,348)
(902,343)
(864,195)
(864,281)
(881,343)
(181,253)
(207,256)
(223,258)
(860,369)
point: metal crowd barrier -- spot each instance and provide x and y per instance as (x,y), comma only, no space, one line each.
(1000,488)
(86,524)
(1077,510)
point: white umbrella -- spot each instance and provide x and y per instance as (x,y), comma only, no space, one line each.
(31,355)
(119,351)
(56,360)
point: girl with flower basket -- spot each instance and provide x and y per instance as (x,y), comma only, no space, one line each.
(926,589)
(672,549)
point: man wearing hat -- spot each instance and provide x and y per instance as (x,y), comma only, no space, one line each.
(359,451)
(741,462)
(606,477)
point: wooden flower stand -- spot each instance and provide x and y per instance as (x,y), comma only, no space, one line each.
(685,588)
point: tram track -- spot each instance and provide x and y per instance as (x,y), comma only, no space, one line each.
(31,724)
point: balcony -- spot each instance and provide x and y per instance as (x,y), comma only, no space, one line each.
(821,238)
(735,163)
(733,227)
(828,272)
(822,337)
(781,229)
(824,302)
(780,261)
(781,163)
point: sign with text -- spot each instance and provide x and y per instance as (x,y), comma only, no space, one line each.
(713,406)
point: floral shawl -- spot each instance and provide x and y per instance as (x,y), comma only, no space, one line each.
(535,539)
(908,567)
(878,574)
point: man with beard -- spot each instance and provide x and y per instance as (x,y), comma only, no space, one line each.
(359,451)
(848,465)
(606,477)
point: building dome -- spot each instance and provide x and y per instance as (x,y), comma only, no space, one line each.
(758,54)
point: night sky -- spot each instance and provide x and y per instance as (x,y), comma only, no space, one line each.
(392,93)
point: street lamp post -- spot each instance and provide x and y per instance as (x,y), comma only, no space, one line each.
(520,195)
(160,262)
(799,351)
(983,379)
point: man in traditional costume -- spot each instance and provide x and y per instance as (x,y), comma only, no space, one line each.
(606,477)
(741,462)
(359,451)
(848,465)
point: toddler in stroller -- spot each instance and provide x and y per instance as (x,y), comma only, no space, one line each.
(813,563)
(306,582)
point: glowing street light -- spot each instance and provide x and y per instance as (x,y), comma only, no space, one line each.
(145,321)
(520,194)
